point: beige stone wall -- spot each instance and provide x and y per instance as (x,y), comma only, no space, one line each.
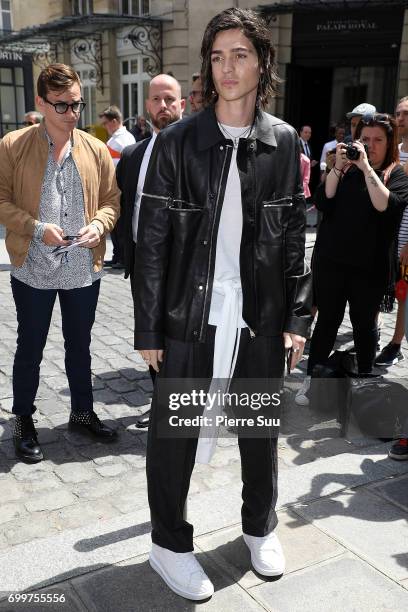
(26,13)
(175,43)
(402,88)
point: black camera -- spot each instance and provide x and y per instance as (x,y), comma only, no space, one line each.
(353,153)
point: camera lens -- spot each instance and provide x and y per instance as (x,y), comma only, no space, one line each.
(352,153)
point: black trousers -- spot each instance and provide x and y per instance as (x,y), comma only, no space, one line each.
(34,310)
(170,462)
(336,284)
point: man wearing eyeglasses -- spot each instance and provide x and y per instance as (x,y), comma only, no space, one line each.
(57,188)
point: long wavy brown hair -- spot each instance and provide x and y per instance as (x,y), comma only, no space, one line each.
(256,30)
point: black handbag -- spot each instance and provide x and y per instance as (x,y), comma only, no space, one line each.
(377,406)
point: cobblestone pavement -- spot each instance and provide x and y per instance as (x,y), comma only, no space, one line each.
(87,486)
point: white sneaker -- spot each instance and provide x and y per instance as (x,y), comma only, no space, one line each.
(181,572)
(266,554)
(301,398)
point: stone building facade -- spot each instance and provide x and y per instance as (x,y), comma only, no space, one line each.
(331,54)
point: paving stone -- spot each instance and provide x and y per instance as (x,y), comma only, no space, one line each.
(339,585)
(105,396)
(10,489)
(111,589)
(74,473)
(120,363)
(50,501)
(25,472)
(146,385)
(100,373)
(395,490)
(6,404)
(130,501)
(125,349)
(94,489)
(7,449)
(82,513)
(134,374)
(51,406)
(109,471)
(121,385)
(6,431)
(121,411)
(48,483)
(136,461)
(8,512)
(28,528)
(365,524)
(135,398)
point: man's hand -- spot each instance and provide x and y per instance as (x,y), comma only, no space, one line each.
(297,344)
(404,255)
(152,357)
(91,235)
(53,235)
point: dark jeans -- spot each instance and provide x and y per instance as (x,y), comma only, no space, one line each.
(34,310)
(336,284)
(170,461)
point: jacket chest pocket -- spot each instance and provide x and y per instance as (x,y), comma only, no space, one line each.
(274,218)
(185,219)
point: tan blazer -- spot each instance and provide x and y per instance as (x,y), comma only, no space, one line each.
(23,159)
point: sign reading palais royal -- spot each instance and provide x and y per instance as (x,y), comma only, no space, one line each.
(346,25)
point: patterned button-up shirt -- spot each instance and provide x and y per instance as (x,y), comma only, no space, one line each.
(62,203)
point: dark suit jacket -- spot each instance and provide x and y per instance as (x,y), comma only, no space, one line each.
(127,175)
(302,148)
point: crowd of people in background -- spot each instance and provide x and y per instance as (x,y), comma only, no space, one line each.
(361,247)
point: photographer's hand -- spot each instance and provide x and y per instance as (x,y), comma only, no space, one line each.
(332,179)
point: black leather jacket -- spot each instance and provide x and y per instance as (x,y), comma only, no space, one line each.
(178,224)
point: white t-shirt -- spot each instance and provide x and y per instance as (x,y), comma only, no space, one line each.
(140,184)
(403,228)
(227,266)
(118,141)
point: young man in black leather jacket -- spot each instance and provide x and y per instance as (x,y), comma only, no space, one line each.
(220,282)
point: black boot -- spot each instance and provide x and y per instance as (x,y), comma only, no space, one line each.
(25,440)
(89,424)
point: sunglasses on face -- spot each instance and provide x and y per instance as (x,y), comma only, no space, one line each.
(62,107)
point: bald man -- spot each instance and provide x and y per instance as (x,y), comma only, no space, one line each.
(164,106)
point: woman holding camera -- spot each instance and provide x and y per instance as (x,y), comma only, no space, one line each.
(362,201)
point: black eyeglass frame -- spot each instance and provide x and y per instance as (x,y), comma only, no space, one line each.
(79,110)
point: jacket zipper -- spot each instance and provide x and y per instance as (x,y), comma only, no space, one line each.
(156,197)
(289,201)
(211,239)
